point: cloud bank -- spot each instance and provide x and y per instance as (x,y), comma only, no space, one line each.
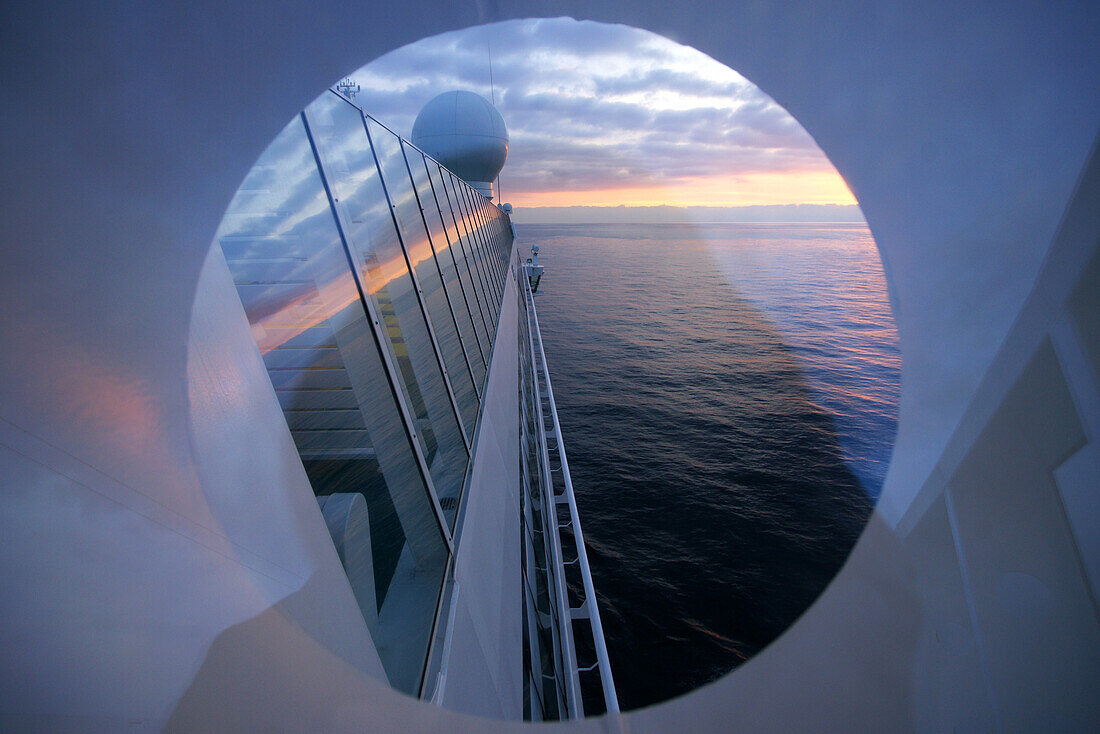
(607,114)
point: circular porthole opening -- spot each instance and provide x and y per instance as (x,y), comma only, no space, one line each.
(715,321)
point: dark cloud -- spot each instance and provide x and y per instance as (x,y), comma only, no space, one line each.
(591,106)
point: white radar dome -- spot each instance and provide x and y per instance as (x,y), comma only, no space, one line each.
(465,133)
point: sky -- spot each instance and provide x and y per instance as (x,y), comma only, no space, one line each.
(602,115)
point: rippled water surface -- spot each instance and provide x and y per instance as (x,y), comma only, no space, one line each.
(728,394)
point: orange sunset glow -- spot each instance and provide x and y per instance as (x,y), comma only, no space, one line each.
(747,189)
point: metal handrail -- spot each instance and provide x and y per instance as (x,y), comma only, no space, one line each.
(564,631)
(611,700)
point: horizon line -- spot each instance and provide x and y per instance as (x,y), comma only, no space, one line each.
(806,221)
(677,206)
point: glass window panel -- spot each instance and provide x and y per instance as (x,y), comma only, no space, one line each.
(494,242)
(436,412)
(492,247)
(505,245)
(486,245)
(503,239)
(494,236)
(505,236)
(466,246)
(414,212)
(350,168)
(470,247)
(483,218)
(291,270)
(477,233)
(447,210)
(445,260)
(478,230)
(487,210)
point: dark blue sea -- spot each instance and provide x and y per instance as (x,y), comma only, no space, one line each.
(728,395)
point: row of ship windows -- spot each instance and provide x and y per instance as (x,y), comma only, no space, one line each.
(372,278)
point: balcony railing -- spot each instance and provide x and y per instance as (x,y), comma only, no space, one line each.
(572,665)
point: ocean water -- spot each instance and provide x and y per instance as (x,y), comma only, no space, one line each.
(728,395)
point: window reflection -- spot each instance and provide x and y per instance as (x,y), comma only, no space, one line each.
(473,201)
(458,248)
(469,248)
(490,251)
(459,288)
(496,235)
(346,154)
(407,208)
(375,323)
(479,249)
(443,294)
(288,262)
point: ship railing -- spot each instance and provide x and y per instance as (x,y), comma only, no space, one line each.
(566,531)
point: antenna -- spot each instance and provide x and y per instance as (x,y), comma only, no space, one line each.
(492,89)
(493,94)
(348,87)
